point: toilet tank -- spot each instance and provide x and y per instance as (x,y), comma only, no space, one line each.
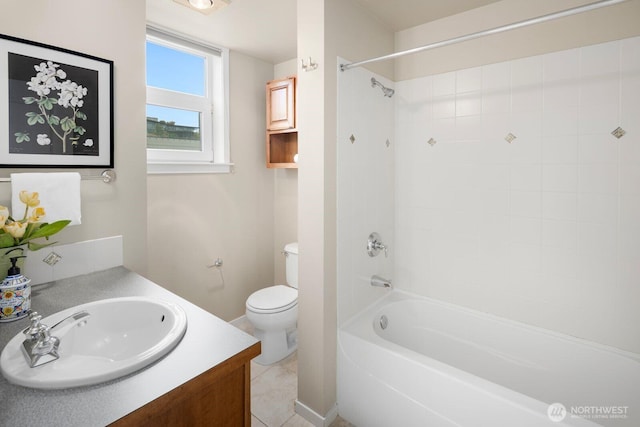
(291,254)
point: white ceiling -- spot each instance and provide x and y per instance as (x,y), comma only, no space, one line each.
(267,29)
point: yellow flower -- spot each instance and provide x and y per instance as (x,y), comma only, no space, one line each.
(7,311)
(28,229)
(36,214)
(4,214)
(30,199)
(16,229)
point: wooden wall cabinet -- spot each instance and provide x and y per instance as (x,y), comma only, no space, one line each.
(282,135)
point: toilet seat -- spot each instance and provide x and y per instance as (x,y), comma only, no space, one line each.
(273,299)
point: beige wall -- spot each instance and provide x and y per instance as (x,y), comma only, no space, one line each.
(605,24)
(194,219)
(105,31)
(285,195)
(244,218)
(326,30)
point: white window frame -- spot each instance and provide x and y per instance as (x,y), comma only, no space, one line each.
(214,108)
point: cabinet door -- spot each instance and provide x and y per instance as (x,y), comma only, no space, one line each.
(281,105)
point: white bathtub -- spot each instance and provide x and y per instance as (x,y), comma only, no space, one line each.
(438,364)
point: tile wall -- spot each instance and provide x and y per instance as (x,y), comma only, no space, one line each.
(365,187)
(73,259)
(543,229)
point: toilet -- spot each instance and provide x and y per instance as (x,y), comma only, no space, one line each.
(273,312)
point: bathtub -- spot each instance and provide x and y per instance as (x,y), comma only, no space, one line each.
(436,364)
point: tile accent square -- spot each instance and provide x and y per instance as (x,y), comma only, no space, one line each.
(510,137)
(618,132)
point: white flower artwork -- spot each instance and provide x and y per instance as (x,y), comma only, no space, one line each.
(49,83)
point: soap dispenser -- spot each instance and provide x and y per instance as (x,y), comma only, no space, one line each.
(15,294)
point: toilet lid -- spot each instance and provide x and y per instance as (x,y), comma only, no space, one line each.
(274,298)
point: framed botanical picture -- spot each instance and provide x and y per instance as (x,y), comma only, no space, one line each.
(56,107)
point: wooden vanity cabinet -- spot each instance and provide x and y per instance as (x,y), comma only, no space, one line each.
(282,135)
(220,397)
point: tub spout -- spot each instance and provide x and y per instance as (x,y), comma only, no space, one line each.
(380,281)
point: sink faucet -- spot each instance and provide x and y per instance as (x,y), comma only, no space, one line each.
(41,347)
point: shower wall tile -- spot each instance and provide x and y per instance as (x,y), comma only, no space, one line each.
(559,205)
(594,118)
(560,121)
(492,176)
(526,230)
(598,208)
(600,90)
(630,54)
(561,177)
(493,201)
(444,107)
(526,85)
(468,104)
(543,229)
(469,80)
(562,234)
(560,149)
(365,180)
(468,128)
(629,224)
(600,59)
(561,93)
(561,68)
(525,203)
(444,84)
(526,177)
(598,148)
(598,178)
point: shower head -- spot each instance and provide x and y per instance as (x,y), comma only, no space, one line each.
(388,92)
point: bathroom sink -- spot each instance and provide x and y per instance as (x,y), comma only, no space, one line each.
(118,337)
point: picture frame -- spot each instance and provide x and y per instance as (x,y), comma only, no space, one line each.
(56,107)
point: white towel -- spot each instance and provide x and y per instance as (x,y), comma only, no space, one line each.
(59,194)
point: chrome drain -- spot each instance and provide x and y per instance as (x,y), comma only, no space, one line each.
(384,322)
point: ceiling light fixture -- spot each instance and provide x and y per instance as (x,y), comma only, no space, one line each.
(206,7)
(201,4)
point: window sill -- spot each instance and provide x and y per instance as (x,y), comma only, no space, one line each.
(159,168)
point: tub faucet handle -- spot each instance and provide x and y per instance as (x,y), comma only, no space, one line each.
(375,245)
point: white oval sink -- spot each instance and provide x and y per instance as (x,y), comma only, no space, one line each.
(120,336)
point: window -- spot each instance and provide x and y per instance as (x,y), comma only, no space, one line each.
(187,119)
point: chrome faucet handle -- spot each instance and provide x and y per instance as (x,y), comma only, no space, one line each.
(46,344)
(384,248)
(375,245)
(35,327)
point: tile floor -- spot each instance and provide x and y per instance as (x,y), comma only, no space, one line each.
(273,392)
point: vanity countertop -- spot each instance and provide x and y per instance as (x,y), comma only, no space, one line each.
(208,342)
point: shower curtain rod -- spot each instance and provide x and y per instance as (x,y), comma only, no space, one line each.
(520,24)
